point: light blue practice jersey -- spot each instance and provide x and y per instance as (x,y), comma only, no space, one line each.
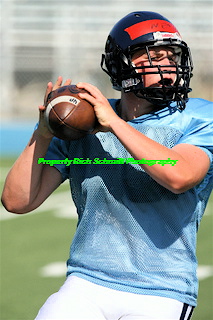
(133,234)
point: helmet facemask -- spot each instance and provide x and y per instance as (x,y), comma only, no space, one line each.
(129,78)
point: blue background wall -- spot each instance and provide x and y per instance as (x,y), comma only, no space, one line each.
(14,137)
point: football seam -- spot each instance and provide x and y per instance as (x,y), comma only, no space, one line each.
(66,124)
(71,111)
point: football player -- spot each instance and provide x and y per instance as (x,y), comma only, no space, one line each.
(134,252)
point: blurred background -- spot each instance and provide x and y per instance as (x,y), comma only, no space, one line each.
(40,40)
(43,39)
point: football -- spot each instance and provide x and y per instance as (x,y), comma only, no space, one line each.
(68,116)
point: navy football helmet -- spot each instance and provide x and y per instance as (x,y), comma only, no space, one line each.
(146,30)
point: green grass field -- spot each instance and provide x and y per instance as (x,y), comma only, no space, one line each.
(31,242)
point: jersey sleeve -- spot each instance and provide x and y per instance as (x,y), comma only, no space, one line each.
(58,150)
(199,131)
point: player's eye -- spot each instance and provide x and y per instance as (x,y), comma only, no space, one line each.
(177,58)
(171,57)
(155,58)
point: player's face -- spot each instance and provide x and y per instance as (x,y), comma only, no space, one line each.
(166,57)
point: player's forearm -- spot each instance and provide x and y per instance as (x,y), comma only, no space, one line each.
(177,178)
(24,179)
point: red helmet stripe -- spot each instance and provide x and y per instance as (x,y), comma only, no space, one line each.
(149,26)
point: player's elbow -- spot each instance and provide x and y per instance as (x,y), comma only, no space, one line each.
(178,189)
(14,206)
(180,184)
(10,207)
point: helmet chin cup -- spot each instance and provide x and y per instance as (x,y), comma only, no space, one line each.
(145,30)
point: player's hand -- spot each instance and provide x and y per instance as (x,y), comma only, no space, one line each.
(103,110)
(42,127)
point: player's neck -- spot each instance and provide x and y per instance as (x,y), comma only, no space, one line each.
(131,107)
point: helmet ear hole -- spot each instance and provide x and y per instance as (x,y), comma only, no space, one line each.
(110,64)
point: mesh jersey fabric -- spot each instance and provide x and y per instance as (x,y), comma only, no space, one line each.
(133,234)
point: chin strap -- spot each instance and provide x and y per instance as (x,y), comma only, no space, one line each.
(160,100)
(181,104)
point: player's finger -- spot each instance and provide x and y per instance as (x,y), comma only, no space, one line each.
(90,98)
(51,87)
(41,108)
(48,90)
(58,83)
(94,91)
(67,82)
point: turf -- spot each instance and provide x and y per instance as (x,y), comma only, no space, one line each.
(29,242)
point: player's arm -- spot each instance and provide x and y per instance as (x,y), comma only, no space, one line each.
(191,167)
(28,183)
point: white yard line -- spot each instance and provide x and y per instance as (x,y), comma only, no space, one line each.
(59,203)
(204,272)
(58,269)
